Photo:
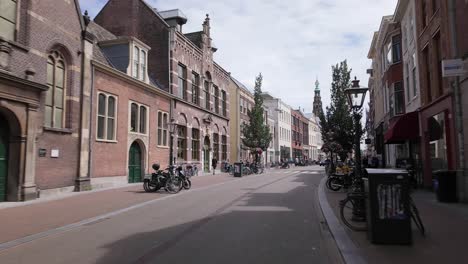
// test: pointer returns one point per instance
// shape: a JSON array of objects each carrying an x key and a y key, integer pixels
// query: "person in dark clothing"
[{"x": 214, "y": 163}]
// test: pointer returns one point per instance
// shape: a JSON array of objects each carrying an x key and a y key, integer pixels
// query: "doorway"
[
  {"x": 134, "y": 163},
  {"x": 206, "y": 154},
  {"x": 4, "y": 135}
]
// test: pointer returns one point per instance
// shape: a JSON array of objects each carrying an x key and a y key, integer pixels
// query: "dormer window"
[{"x": 139, "y": 63}]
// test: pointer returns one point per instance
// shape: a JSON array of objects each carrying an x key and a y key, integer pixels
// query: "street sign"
[{"x": 453, "y": 68}]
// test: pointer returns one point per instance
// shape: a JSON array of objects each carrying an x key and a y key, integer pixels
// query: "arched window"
[
  {"x": 107, "y": 114},
  {"x": 142, "y": 120},
  {"x": 133, "y": 117},
  {"x": 54, "y": 115},
  {"x": 138, "y": 118}
]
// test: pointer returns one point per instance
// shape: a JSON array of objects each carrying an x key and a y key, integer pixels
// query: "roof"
[
  {"x": 241, "y": 85},
  {"x": 101, "y": 34},
  {"x": 195, "y": 38}
]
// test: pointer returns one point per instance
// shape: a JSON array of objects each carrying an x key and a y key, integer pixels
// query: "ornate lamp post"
[
  {"x": 356, "y": 96},
  {"x": 172, "y": 128}
]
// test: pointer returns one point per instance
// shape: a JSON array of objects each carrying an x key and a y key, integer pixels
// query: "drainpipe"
[{"x": 457, "y": 98}]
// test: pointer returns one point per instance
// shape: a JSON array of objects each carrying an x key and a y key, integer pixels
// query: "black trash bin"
[
  {"x": 388, "y": 215},
  {"x": 238, "y": 169},
  {"x": 446, "y": 190}
]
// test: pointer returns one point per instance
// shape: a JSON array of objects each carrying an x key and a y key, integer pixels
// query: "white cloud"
[{"x": 290, "y": 42}]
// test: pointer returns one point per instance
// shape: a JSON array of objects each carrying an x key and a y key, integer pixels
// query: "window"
[
  {"x": 162, "y": 129},
  {"x": 425, "y": 15},
  {"x": 396, "y": 49},
  {"x": 140, "y": 58},
  {"x": 389, "y": 54},
  {"x": 216, "y": 146},
  {"x": 411, "y": 27},
  {"x": 438, "y": 63},
  {"x": 399, "y": 98},
  {"x": 143, "y": 66},
  {"x": 106, "y": 121},
  {"x": 195, "y": 88},
  {"x": 182, "y": 142},
  {"x": 195, "y": 144},
  {"x": 216, "y": 99},
  {"x": 54, "y": 115},
  {"x": 8, "y": 19},
  {"x": 142, "y": 120},
  {"x": 224, "y": 103},
  {"x": 207, "y": 95},
  {"x": 138, "y": 118},
  {"x": 182, "y": 87},
  {"x": 224, "y": 147},
  {"x": 407, "y": 83},
  {"x": 415, "y": 88},
  {"x": 136, "y": 62}
]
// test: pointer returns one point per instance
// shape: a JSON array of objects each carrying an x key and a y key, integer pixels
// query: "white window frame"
[
  {"x": 163, "y": 129},
  {"x": 137, "y": 118},
  {"x": 139, "y": 68},
  {"x": 106, "y": 117}
]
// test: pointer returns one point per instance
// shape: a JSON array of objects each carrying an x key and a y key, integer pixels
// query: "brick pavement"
[
  {"x": 446, "y": 233},
  {"x": 25, "y": 220}
]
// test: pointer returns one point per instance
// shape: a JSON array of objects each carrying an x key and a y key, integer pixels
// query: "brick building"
[
  {"x": 43, "y": 126},
  {"x": 241, "y": 100},
  {"x": 387, "y": 92},
  {"x": 461, "y": 51},
  {"x": 436, "y": 115},
  {"x": 201, "y": 107},
  {"x": 130, "y": 113},
  {"x": 296, "y": 134}
]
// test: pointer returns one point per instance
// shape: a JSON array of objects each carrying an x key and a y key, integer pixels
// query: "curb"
[{"x": 349, "y": 251}]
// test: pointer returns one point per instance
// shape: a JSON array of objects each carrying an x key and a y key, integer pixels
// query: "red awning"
[{"x": 406, "y": 128}]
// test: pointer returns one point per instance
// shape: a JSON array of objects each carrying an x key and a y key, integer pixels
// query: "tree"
[
  {"x": 257, "y": 132},
  {"x": 337, "y": 117}
]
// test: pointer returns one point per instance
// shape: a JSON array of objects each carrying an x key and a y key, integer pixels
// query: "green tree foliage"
[
  {"x": 257, "y": 132},
  {"x": 338, "y": 118}
]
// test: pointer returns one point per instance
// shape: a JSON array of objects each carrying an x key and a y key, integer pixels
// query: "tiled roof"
[{"x": 101, "y": 34}]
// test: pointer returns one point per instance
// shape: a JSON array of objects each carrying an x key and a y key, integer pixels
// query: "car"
[{"x": 324, "y": 162}]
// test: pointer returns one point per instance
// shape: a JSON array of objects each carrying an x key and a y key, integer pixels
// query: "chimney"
[{"x": 175, "y": 18}]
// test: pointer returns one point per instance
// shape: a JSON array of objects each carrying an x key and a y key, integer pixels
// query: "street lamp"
[
  {"x": 356, "y": 96},
  {"x": 172, "y": 128}
]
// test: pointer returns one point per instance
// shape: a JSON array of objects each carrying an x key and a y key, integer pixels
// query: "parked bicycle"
[
  {"x": 353, "y": 209},
  {"x": 191, "y": 170}
]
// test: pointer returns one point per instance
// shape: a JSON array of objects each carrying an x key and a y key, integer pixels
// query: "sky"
[{"x": 290, "y": 42}]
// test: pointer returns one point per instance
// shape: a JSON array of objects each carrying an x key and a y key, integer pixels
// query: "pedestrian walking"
[{"x": 214, "y": 163}]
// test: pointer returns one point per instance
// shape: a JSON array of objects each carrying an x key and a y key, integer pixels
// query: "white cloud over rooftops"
[{"x": 290, "y": 42}]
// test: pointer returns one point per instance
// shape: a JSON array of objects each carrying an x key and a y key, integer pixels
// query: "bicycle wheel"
[
  {"x": 416, "y": 218},
  {"x": 348, "y": 213}
]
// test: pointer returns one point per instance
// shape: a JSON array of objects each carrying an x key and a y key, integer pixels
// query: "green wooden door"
[
  {"x": 3, "y": 159},
  {"x": 134, "y": 163}
]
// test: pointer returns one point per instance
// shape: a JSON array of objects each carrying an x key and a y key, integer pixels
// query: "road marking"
[{"x": 103, "y": 217}]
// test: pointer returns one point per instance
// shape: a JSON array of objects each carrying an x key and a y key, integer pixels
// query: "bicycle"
[{"x": 353, "y": 211}]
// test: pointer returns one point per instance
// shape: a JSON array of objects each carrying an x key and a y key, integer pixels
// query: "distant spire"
[{"x": 317, "y": 84}]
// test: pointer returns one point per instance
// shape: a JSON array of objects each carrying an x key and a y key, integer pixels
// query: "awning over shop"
[{"x": 406, "y": 128}]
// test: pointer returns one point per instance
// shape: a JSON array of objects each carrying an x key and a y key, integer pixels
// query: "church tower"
[{"x": 317, "y": 100}]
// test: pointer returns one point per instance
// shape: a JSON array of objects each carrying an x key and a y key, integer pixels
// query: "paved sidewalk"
[
  {"x": 446, "y": 233},
  {"x": 24, "y": 220}
]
